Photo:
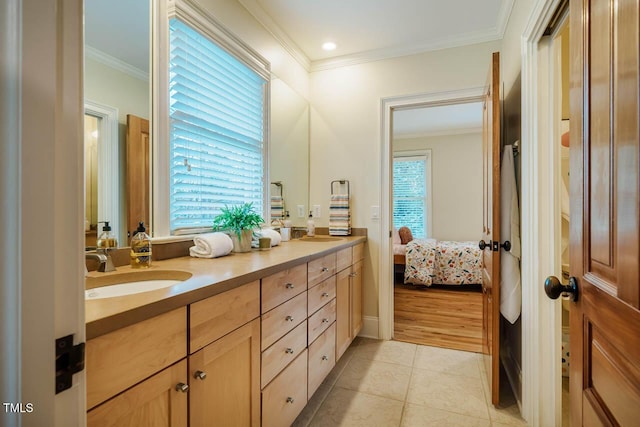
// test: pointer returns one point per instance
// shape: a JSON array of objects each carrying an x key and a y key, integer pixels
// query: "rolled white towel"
[
  {"x": 211, "y": 245},
  {"x": 275, "y": 237}
]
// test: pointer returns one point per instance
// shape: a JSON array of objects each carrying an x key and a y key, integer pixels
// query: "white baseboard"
[
  {"x": 369, "y": 327},
  {"x": 514, "y": 375}
]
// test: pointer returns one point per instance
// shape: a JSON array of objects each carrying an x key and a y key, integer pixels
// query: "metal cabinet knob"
[
  {"x": 289, "y": 351},
  {"x": 289, "y": 399},
  {"x": 199, "y": 375},
  {"x": 325, "y": 320},
  {"x": 325, "y": 358},
  {"x": 289, "y": 318},
  {"x": 324, "y": 294},
  {"x": 289, "y": 286},
  {"x": 354, "y": 274},
  {"x": 325, "y": 269},
  {"x": 182, "y": 387}
]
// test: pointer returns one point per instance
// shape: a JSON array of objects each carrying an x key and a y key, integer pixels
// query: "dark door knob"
[
  {"x": 506, "y": 245},
  {"x": 553, "y": 288},
  {"x": 484, "y": 244}
]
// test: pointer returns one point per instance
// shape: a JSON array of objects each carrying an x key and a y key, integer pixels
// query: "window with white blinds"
[
  {"x": 217, "y": 131},
  {"x": 411, "y": 193}
]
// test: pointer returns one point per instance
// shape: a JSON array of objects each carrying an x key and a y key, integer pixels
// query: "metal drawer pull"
[
  {"x": 324, "y": 294},
  {"x": 325, "y": 269},
  {"x": 325, "y": 358},
  {"x": 289, "y": 399},
  {"x": 353, "y": 274},
  {"x": 325, "y": 320},
  {"x": 289, "y": 285},
  {"x": 199, "y": 375},
  {"x": 289, "y": 350},
  {"x": 289, "y": 318},
  {"x": 182, "y": 387}
]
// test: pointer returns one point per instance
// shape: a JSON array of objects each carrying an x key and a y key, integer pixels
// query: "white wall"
[
  {"x": 456, "y": 173},
  {"x": 345, "y": 128}
]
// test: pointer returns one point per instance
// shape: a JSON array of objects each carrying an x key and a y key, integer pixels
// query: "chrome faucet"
[{"x": 103, "y": 256}]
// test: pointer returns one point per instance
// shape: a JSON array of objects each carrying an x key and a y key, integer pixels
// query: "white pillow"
[{"x": 396, "y": 237}]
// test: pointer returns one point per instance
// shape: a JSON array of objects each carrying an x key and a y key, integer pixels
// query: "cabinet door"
[
  {"x": 343, "y": 312},
  {"x": 229, "y": 392},
  {"x": 153, "y": 402},
  {"x": 356, "y": 299}
]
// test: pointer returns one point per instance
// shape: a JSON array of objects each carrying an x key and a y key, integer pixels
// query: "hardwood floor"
[{"x": 438, "y": 317}]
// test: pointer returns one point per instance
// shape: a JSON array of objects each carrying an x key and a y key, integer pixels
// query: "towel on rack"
[
  {"x": 211, "y": 245},
  {"x": 339, "y": 215},
  {"x": 277, "y": 208},
  {"x": 510, "y": 282}
]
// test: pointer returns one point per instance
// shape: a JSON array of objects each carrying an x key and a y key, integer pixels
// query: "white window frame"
[
  {"x": 426, "y": 154},
  {"x": 201, "y": 20}
]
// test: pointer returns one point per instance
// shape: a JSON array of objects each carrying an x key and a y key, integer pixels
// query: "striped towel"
[
  {"x": 277, "y": 208},
  {"x": 339, "y": 215}
]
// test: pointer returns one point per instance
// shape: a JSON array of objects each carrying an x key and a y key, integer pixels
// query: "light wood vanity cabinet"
[{"x": 349, "y": 300}]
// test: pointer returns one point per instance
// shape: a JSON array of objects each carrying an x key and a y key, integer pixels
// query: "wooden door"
[
  {"x": 604, "y": 233},
  {"x": 491, "y": 229},
  {"x": 138, "y": 174},
  {"x": 225, "y": 380},
  {"x": 156, "y": 401}
]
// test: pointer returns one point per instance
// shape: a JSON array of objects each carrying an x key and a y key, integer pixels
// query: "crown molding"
[
  {"x": 503, "y": 16},
  {"x": 444, "y": 132},
  {"x": 115, "y": 63},
  {"x": 274, "y": 29}
]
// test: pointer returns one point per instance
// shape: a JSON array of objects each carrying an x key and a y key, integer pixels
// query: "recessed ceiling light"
[{"x": 329, "y": 46}]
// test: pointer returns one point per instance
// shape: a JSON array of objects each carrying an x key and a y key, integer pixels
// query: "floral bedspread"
[{"x": 443, "y": 263}]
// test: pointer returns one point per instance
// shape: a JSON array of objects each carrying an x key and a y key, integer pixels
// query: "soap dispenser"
[
  {"x": 141, "y": 248},
  {"x": 311, "y": 227},
  {"x": 107, "y": 239}
]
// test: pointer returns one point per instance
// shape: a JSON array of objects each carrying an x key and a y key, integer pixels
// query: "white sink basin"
[{"x": 118, "y": 285}]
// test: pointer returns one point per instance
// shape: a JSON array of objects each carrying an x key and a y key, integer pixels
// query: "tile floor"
[{"x": 392, "y": 383}]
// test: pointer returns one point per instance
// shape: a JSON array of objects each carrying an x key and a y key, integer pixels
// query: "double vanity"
[{"x": 244, "y": 339}]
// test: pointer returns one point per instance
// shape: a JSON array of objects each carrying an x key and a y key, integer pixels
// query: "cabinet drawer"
[
  {"x": 214, "y": 317},
  {"x": 358, "y": 252},
  {"x": 322, "y": 320},
  {"x": 280, "y": 354},
  {"x": 286, "y": 396},
  {"x": 122, "y": 358},
  {"x": 321, "y": 269},
  {"x": 282, "y": 319},
  {"x": 283, "y": 286},
  {"x": 321, "y": 294},
  {"x": 344, "y": 259},
  {"x": 322, "y": 358}
]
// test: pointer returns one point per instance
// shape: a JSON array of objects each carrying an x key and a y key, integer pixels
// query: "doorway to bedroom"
[{"x": 437, "y": 174}]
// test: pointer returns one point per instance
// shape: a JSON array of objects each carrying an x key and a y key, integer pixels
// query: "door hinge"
[
  {"x": 496, "y": 245},
  {"x": 69, "y": 360}
]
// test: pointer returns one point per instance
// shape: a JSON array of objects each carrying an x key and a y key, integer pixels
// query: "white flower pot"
[{"x": 242, "y": 243}]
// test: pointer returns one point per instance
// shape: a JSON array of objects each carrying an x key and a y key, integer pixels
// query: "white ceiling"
[
  {"x": 367, "y": 30},
  {"x": 439, "y": 120}
]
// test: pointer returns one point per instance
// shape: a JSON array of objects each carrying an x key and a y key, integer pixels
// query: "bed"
[{"x": 427, "y": 262}]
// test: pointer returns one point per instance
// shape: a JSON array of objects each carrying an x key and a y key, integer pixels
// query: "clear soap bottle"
[
  {"x": 141, "y": 248},
  {"x": 107, "y": 239}
]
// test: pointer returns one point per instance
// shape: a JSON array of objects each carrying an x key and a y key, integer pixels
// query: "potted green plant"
[{"x": 239, "y": 221}]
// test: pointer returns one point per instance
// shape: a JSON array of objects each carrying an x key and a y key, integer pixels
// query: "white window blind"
[
  {"x": 216, "y": 132},
  {"x": 410, "y": 193}
]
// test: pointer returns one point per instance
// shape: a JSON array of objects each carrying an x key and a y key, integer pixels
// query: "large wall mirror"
[{"x": 118, "y": 101}]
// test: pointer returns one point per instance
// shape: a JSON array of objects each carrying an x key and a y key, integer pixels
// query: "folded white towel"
[
  {"x": 211, "y": 245},
  {"x": 275, "y": 237}
]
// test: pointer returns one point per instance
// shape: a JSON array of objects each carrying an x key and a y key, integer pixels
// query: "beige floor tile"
[
  {"x": 377, "y": 378},
  {"x": 424, "y": 416},
  {"x": 350, "y": 408},
  {"x": 509, "y": 416},
  {"x": 453, "y": 362},
  {"x": 400, "y": 353},
  {"x": 332, "y": 377},
  {"x": 455, "y": 393}
]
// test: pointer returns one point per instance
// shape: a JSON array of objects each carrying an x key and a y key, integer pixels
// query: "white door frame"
[
  {"x": 541, "y": 317},
  {"x": 388, "y": 105}
]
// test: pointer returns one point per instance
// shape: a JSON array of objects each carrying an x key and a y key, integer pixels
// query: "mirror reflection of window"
[{"x": 91, "y": 140}]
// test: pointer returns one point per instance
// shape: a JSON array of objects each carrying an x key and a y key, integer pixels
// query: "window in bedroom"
[
  {"x": 412, "y": 192},
  {"x": 217, "y": 129}
]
